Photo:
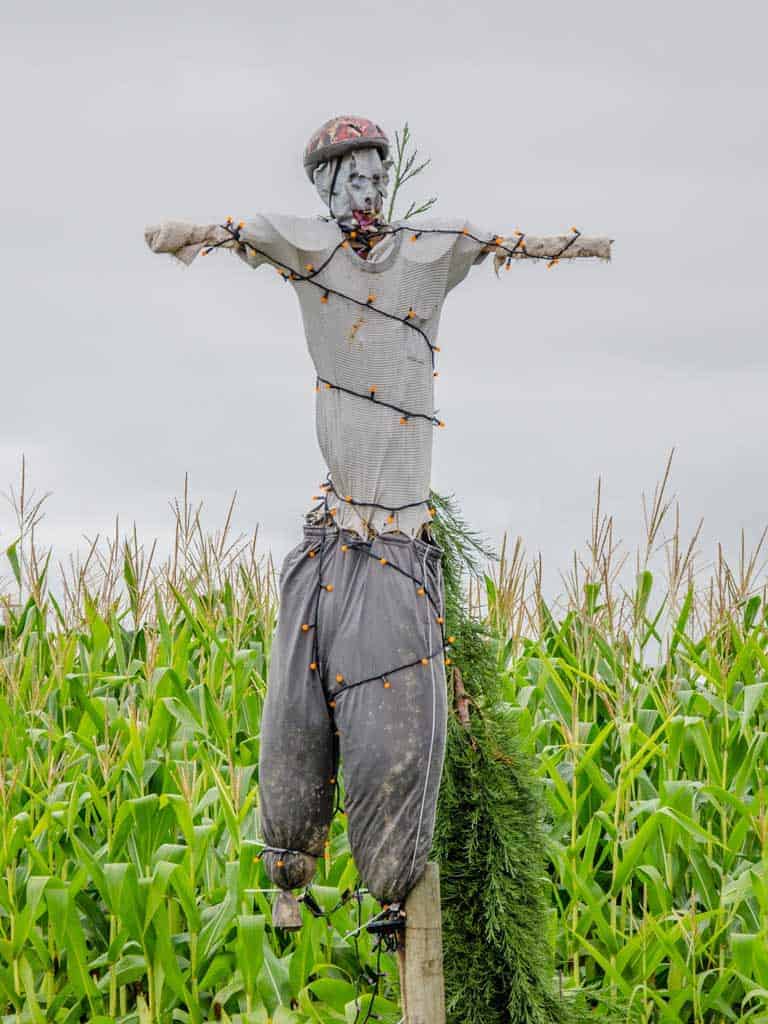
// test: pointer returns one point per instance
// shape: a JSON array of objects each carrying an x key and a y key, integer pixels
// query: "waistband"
[{"x": 421, "y": 547}]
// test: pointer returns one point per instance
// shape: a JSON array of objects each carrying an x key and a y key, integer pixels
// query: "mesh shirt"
[{"x": 373, "y": 458}]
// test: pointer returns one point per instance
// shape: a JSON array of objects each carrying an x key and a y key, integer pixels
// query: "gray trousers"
[{"x": 357, "y": 673}]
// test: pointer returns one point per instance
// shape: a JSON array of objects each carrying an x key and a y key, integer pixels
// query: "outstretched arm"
[
  {"x": 186, "y": 241},
  {"x": 475, "y": 244},
  {"x": 551, "y": 249}
]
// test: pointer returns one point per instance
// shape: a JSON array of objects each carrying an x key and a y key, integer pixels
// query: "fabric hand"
[{"x": 184, "y": 241}]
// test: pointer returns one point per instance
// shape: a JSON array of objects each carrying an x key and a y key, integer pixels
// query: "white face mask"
[{"x": 359, "y": 187}]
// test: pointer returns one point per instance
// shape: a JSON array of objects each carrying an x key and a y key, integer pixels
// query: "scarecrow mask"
[{"x": 359, "y": 183}]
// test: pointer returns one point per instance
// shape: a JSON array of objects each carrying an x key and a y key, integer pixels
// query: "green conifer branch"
[{"x": 490, "y": 837}]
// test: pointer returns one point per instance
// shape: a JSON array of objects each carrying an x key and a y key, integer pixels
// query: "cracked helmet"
[{"x": 340, "y": 135}]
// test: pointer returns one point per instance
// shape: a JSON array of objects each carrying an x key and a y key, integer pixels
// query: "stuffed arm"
[
  {"x": 551, "y": 249},
  {"x": 474, "y": 244},
  {"x": 255, "y": 241}
]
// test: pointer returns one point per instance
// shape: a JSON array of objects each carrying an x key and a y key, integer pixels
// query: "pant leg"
[
  {"x": 392, "y": 729},
  {"x": 296, "y": 758}
]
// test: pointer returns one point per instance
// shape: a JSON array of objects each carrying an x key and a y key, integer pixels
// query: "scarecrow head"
[{"x": 347, "y": 161}]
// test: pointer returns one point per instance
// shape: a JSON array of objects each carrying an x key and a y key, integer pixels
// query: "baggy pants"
[{"x": 357, "y": 671}]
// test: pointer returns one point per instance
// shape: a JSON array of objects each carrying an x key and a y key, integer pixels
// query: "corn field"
[{"x": 131, "y": 689}]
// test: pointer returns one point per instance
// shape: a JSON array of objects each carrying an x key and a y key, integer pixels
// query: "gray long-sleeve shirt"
[{"x": 375, "y": 454}]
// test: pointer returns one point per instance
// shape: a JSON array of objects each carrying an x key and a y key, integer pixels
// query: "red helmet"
[{"x": 338, "y": 136}]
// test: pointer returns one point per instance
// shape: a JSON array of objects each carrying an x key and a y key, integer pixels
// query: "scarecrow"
[{"x": 358, "y": 666}]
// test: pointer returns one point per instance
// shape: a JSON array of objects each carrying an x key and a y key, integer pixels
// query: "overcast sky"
[{"x": 120, "y": 372}]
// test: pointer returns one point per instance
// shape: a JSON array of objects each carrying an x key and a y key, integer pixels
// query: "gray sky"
[{"x": 119, "y": 371}]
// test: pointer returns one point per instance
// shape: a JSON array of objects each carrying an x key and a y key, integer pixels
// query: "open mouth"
[{"x": 365, "y": 218}]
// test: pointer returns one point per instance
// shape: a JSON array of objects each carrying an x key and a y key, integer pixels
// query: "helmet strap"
[{"x": 332, "y": 191}]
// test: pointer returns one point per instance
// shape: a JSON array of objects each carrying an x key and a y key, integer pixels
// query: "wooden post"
[{"x": 421, "y": 962}]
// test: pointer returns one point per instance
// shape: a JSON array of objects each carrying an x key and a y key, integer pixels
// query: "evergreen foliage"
[{"x": 489, "y": 839}]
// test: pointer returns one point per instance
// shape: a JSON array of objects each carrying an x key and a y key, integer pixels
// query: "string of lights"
[
  {"x": 332, "y": 533},
  {"x": 349, "y": 500},
  {"x": 288, "y": 273},
  {"x": 320, "y": 551},
  {"x": 370, "y": 396}
]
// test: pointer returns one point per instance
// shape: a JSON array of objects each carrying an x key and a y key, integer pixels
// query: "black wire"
[
  {"x": 294, "y": 275},
  {"x": 516, "y": 250},
  {"x": 371, "y": 397},
  {"x": 373, "y": 504},
  {"x": 357, "y": 894},
  {"x": 335, "y": 694},
  {"x": 366, "y": 546},
  {"x": 377, "y": 986}
]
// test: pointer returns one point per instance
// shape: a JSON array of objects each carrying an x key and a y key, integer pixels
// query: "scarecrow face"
[{"x": 360, "y": 187}]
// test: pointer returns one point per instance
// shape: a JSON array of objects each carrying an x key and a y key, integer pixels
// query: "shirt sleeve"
[
  {"x": 467, "y": 252},
  {"x": 261, "y": 242}
]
